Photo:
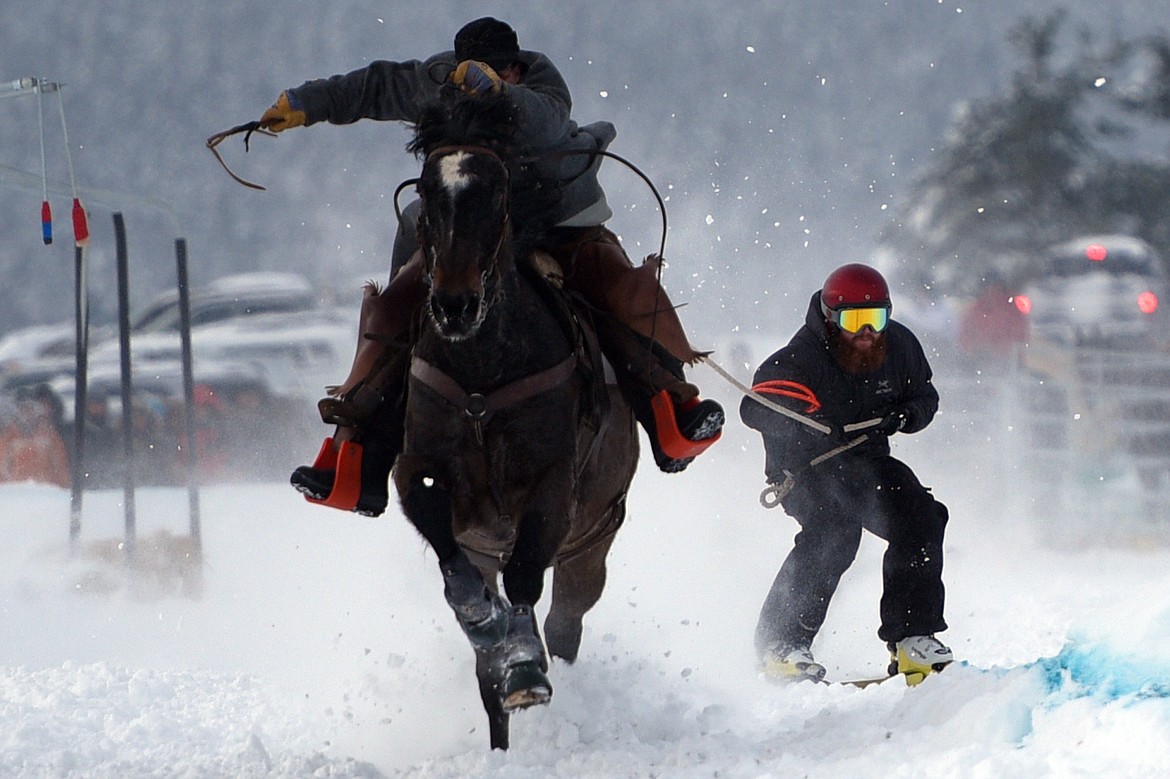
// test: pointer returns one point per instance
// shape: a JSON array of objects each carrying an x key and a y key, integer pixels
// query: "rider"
[
  {"x": 646, "y": 343},
  {"x": 850, "y": 363}
]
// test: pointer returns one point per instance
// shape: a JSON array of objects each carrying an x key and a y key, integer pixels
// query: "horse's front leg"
[
  {"x": 523, "y": 657},
  {"x": 482, "y": 614}
]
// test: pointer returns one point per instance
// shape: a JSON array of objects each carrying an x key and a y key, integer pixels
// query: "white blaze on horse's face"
[
  {"x": 452, "y": 175},
  {"x": 451, "y": 172}
]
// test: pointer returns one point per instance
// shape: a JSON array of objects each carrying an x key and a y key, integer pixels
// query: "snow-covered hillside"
[{"x": 318, "y": 644}]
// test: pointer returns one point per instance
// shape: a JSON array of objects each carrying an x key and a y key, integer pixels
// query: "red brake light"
[
  {"x": 1147, "y": 302},
  {"x": 1024, "y": 303},
  {"x": 1096, "y": 252}
]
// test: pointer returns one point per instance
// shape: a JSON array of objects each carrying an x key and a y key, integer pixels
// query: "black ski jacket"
[{"x": 903, "y": 382}]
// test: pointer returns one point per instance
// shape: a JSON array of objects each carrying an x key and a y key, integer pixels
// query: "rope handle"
[
  {"x": 774, "y": 493},
  {"x": 789, "y": 389},
  {"x": 820, "y": 427}
]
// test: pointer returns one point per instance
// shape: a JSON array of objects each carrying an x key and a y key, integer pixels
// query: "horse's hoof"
[
  {"x": 563, "y": 638},
  {"x": 525, "y": 685}
]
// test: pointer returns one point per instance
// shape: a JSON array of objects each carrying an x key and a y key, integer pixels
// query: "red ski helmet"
[{"x": 854, "y": 286}]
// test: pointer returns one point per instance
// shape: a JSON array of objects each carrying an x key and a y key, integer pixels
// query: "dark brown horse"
[{"x": 516, "y": 458}]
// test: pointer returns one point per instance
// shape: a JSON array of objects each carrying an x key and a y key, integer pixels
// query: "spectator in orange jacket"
[
  {"x": 992, "y": 326},
  {"x": 31, "y": 448}
]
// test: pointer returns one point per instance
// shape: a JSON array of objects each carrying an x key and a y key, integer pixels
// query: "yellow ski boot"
[{"x": 916, "y": 657}]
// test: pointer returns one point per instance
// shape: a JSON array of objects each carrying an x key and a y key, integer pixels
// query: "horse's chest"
[{"x": 503, "y": 452}]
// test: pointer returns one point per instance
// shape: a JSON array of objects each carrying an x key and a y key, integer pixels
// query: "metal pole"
[
  {"x": 80, "y": 392},
  {"x": 188, "y": 393},
  {"x": 24, "y": 180},
  {"x": 127, "y": 394}
]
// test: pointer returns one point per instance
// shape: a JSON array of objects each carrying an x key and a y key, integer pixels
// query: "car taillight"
[
  {"x": 1096, "y": 252},
  {"x": 1024, "y": 303},
  {"x": 1147, "y": 302}
]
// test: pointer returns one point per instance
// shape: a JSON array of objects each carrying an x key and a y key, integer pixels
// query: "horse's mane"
[
  {"x": 492, "y": 122},
  {"x": 463, "y": 120}
]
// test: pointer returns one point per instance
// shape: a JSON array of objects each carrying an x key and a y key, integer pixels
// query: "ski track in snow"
[{"x": 318, "y": 644}]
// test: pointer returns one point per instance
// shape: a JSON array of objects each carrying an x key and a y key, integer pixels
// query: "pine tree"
[{"x": 1036, "y": 166}]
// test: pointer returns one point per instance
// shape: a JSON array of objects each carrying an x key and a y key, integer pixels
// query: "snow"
[{"x": 317, "y": 643}]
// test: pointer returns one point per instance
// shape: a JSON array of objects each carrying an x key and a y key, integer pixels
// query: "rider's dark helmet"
[
  {"x": 854, "y": 286},
  {"x": 487, "y": 40}
]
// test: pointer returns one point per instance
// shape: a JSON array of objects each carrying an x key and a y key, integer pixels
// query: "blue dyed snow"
[{"x": 1091, "y": 670}]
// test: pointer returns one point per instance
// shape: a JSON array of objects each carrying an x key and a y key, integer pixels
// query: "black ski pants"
[{"x": 833, "y": 503}]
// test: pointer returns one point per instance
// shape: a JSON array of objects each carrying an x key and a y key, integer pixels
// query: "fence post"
[
  {"x": 188, "y": 394},
  {"x": 80, "y": 387},
  {"x": 127, "y": 393}
]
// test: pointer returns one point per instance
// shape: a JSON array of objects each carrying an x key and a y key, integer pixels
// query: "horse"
[{"x": 516, "y": 458}]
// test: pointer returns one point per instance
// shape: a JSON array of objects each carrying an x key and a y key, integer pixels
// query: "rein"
[
  {"x": 604, "y": 153},
  {"x": 653, "y": 189},
  {"x": 556, "y": 155},
  {"x": 247, "y": 128}
]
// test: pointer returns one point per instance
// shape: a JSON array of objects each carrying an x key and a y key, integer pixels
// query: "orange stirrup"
[
  {"x": 674, "y": 444},
  {"x": 346, "y": 463}
]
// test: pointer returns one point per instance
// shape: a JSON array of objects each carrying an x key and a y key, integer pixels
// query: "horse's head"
[
  {"x": 465, "y": 234},
  {"x": 464, "y": 228}
]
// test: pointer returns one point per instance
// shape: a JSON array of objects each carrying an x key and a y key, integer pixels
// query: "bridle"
[
  {"x": 480, "y": 407},
  {"x": 491, "y": 272}
]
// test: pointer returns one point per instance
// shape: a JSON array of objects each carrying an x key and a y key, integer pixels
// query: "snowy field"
[{"x": 318, "y": 644}]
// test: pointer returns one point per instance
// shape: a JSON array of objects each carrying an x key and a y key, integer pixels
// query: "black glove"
[{"x": 892, "y": 422}]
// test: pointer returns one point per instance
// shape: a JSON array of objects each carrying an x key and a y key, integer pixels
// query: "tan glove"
[
  {"x": 283, "y": 114},
  {"x": 476, "y": 78}
]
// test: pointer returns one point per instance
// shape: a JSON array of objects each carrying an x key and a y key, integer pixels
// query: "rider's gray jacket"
[{"x": 397, "y": 91}]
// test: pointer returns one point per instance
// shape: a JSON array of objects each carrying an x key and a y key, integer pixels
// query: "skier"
[
  {"x": 646, "y": 342},
  {"x": 849, "y": 365}
]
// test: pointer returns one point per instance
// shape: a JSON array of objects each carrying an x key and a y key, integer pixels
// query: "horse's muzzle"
[{"x": 457, "y": 314}]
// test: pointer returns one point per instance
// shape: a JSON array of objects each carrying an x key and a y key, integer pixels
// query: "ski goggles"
[{"x": 851, "y": 320}]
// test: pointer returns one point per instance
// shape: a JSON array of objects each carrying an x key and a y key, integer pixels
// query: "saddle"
[{"x": 576, "y": 318}]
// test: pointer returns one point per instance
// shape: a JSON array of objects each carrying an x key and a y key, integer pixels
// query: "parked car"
[
  {"x": 1105, "y": 291},
  {"x": 28, "y": 348},
  {"x": 270, "y": 322},
  {"x": 230, "y": 297},
  {"x": 297, "y": 355}
]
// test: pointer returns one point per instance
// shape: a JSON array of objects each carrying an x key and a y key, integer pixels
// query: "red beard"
[{"x": 854, "y": 360}]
